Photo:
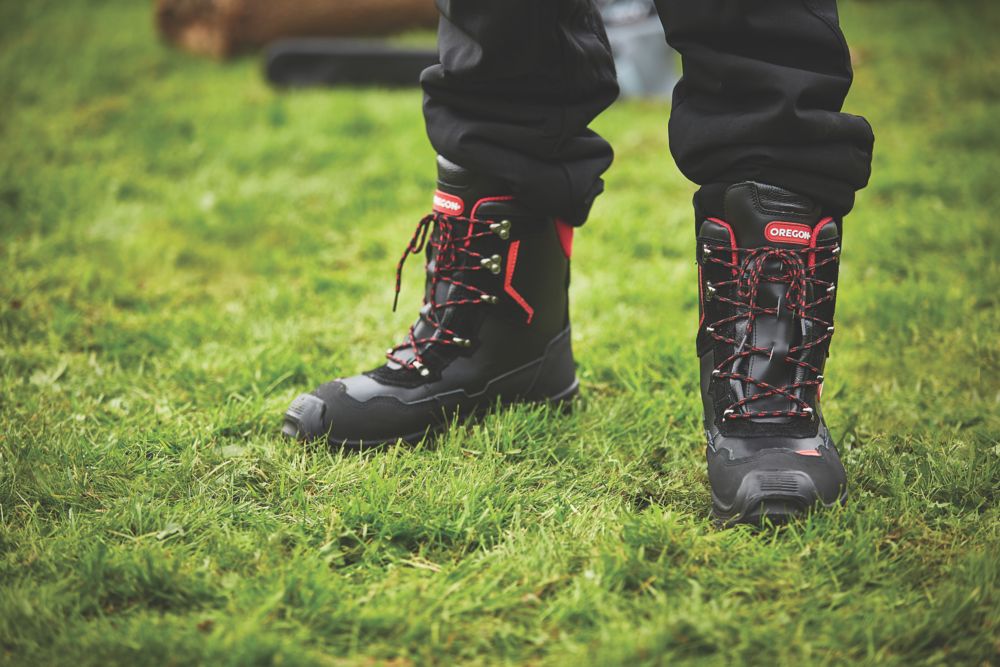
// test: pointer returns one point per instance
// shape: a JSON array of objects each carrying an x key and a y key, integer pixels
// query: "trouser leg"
[
  {"x": 761, "y": 98},
  {"x": 518, "y": 84}
]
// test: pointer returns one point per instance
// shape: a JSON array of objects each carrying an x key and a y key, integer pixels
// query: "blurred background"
[{"x": 308, "y": 42}]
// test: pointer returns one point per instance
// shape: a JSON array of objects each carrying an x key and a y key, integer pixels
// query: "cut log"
[{"x": 223, "y": 28}]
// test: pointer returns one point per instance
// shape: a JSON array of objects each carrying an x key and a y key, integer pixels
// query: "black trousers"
[{"x": 760, "y": 98}]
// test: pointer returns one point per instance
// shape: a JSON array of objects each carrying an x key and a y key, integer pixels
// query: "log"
[{"x": 224, "y": 28}]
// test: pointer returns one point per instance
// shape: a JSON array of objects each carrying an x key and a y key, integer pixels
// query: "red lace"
[
  {"x": 797, "y": 269},
  {"x": 449, "y": 251}
]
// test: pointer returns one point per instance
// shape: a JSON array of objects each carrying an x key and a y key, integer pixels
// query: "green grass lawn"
[{"x": 184, "y": 250}]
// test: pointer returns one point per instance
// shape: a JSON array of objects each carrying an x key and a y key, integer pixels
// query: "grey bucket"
[{"x": 647, "y": 66}]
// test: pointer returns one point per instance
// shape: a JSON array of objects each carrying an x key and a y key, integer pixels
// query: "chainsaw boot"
[
  {"x": 768, "y": 278},
  {"x": 494, "y": 326}
]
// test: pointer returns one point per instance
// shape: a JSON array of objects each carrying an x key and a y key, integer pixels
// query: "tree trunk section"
[{"x": 223, "y": 28}]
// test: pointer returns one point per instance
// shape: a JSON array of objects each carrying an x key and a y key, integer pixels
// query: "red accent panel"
[
  {"x": 701, "y": 300},
  {"x": 808, "y": 452},
  {"x": 565, "y": 232},
  {"x": 732, "y": 244},
  {"x": 475, "y": 208},
  {"x": 509, "y": 278},
  {"x": 778, "y": 231},
  {"x": 732, "y": 239},
  {"x": 488, "y": 199},
  {"x": 448, "y": 204},
  {"x": 815, "y": 235}
]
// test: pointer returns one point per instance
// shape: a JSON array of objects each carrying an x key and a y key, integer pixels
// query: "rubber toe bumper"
[
  {"x": 305, "y": 418},
  {"x": 777, "y": 485}
]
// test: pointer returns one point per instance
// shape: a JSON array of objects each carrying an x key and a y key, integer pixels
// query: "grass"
[{"x": 184, "y": 250}]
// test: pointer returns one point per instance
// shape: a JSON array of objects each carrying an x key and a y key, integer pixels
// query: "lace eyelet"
[
  {"x": 501, "y": 229},
  {"x": 491, "y": 263}
]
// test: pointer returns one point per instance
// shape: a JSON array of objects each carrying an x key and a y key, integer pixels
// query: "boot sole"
[{"x": 562, "y": 400}]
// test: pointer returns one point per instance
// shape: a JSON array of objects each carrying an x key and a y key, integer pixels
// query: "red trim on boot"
[
  {"x": 485, "y": 200},
  {"x": 815, "y": 235},
  {"x": 732, "y": 240},
  {"x": 565, "y": 232},
  {"x": 475, "y": 209},
  {"x": 701, "y": 300},
  {"x": 509, "y": 278}
]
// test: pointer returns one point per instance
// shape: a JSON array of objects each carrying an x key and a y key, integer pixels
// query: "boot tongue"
[
  {"x": 765, "y": 215},
  {"x": 460, "y": 194}
]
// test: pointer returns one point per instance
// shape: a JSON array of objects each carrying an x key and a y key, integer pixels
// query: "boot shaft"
[{"x": 496, "y": 274}]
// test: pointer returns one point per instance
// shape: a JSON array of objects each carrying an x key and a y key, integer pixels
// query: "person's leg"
[
  {"x": 757, "y": 123},
  {"x": 508, "y": 110},
  {"x": 761, "y": 98},
  {"x": 518, "y": 84}
]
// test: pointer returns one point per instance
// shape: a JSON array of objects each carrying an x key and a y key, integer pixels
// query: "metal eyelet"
[
  {"x": 716, "y": 373},
  {"x": 829, "y": 329},
  {"x": 461, "y": 342},
  {"x": 831, "y": 288},
  {"x": 488, "y": 298},
  {"x": 710, "y": 329},
  {"x": 727, "y": 413},
  {"x": 710, "y": 291},
  {"x": 501, "y": 229},
  {"x": 491, "y": 263}
]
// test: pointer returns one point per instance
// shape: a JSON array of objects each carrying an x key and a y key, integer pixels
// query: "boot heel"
[{"x": 555, "y": 380}]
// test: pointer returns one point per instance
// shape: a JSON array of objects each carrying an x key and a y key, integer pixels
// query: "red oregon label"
[
  {"x": 788, "y": 232},
  {"x": 448, "y": 204}
]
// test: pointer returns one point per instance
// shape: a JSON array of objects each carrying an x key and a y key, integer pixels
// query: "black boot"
[
  {"x": 768, "y": 278},
  {"x": 494, "y": 326}
]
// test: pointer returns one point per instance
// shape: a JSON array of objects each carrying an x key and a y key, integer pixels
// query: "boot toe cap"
[
  {"x": 332, "y": 413},
  {"x": 306, "y": 418},
  {"x": 780, "y": 482}
]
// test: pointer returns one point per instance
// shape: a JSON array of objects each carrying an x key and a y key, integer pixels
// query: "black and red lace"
[
  {"x": 453, "y": 249},
  {"x": 750, "y": 267}
]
